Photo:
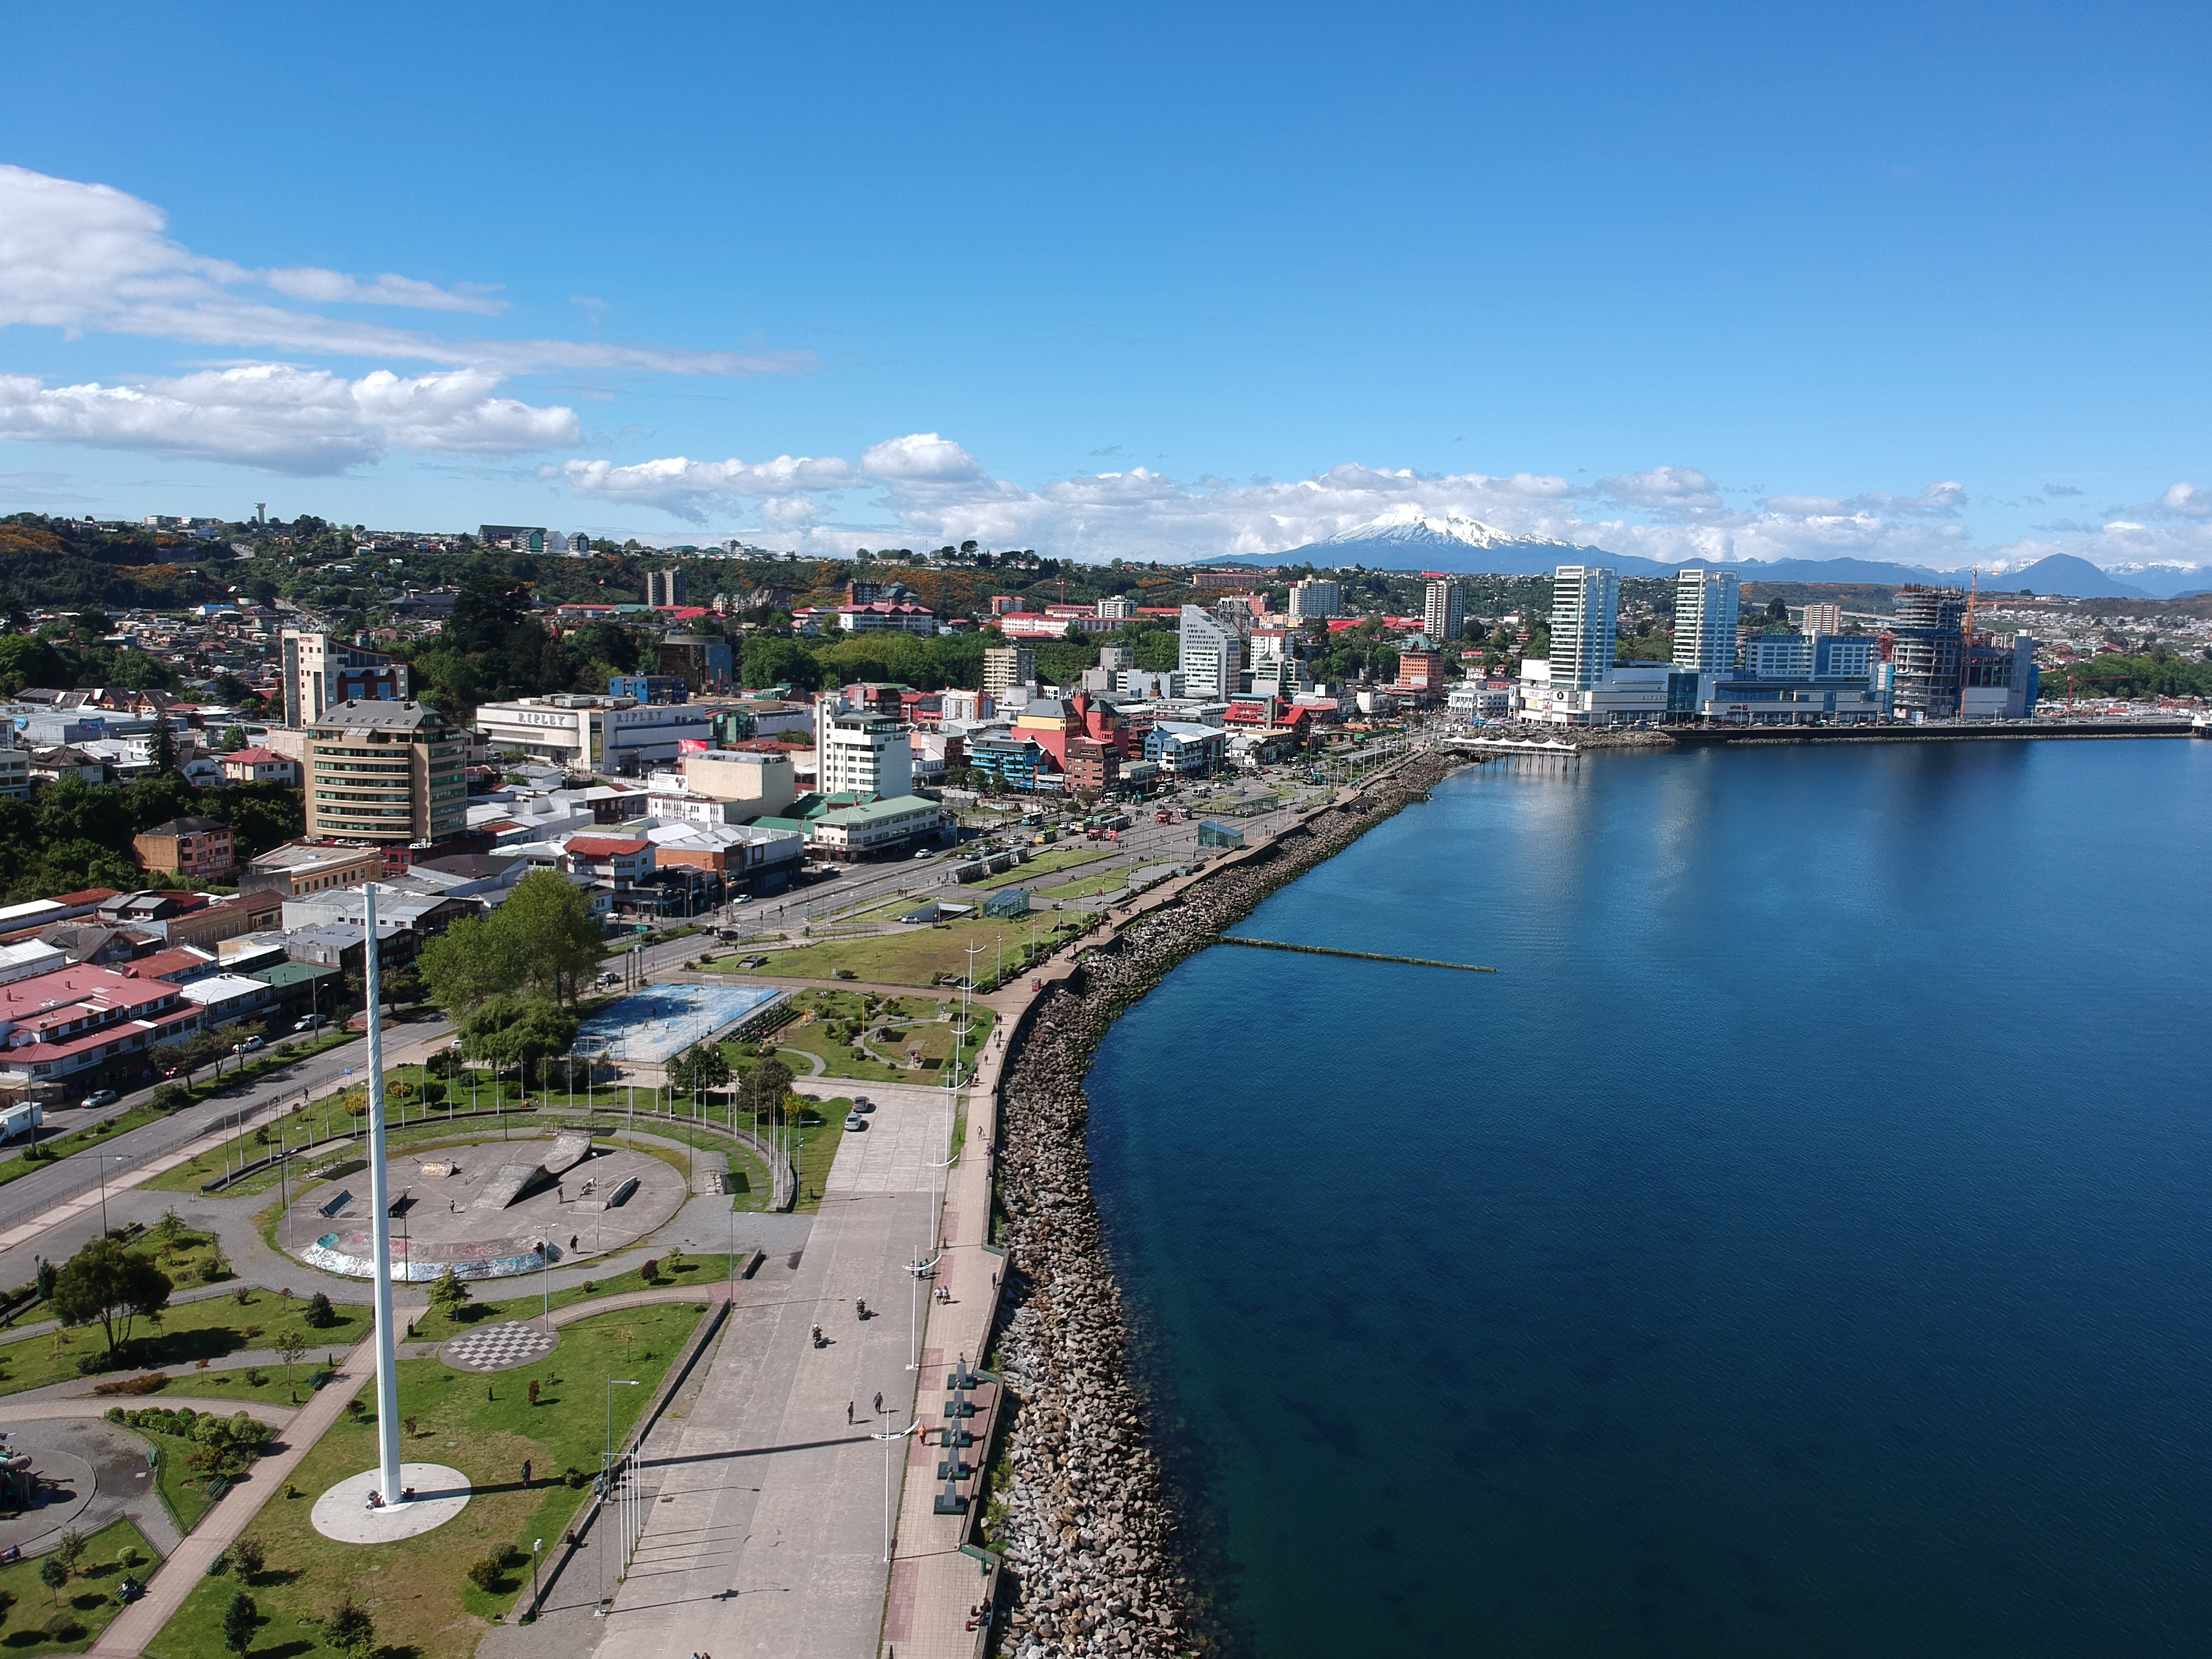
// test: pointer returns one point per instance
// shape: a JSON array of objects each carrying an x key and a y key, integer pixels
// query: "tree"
[
  {"x": 702, "y": 1067},
  {"x": 549, "y": 924},
  {"x": 291, "y": 1346},
  {"x": 47, "y": 1275},
  {"x": 70, "y": 1550},
  {"x": 164, "y": 752},
  {"x": 53, "y": 1575},
  {"x": 472, "y": 960},
  {"x": 239, "y": 1621},
  {"x": 250, "y": 1557},
  {"x": 761, "y": 1088},
  {"x": 509, "y": 1030},
  {"x": 232, "y": 740},
  {"x": 450, "y": 1294},
  {"x": 350, "y": 1629},
  {"x": 103, "y": 1281},
  {"x": 320, "y": 1315}
]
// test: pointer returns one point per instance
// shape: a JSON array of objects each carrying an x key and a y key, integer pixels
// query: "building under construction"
[{"x": 1930, "y": 653}]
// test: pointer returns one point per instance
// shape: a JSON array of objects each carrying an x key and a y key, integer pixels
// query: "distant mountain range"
[{"x": 1405, "y": 539}]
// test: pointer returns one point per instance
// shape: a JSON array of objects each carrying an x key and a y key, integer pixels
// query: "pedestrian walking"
[
  {"x": 848, "y": 1414},
  {"x": 880, "y": 1402},
  {"x": 525, "y": 1474}
]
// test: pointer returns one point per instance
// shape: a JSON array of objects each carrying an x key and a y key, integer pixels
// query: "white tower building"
[
  {"x": 1705, "y": 603},
  {"x": 1585, "y": 621}
]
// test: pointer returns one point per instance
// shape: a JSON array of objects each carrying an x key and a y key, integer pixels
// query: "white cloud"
[
  {"x": 1663, "y": 488},
  {"x": 921, "y": 459},
  {"x": 689, "y": 488},
  {"x": 88, "y": 258},
  {"x": 284, "y": 419},
  {"x": 335, "y": 288}
]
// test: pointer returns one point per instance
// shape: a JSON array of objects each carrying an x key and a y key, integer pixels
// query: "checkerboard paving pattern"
[{"x": 498, "y": 1347}]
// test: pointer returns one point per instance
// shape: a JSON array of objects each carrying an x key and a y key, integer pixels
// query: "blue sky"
[{"x": 1916, "y": 282}]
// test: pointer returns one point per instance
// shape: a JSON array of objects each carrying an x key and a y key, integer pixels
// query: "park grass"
[
  {"x": 414, "y": 1589},
  {"x": 817, "y": 1151},
  {"x": 917, "y": 957},
  {"x": 927, "y": 1022},
  {"x": 88, "y": 1598},
  {"x": 190, "y": 1331},
  {"x": 705, "y": 1272},
  {"x": 1044, "y": 863}
]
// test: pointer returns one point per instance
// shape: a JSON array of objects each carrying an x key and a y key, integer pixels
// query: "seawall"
[{"x": 1097, "y": 1560}]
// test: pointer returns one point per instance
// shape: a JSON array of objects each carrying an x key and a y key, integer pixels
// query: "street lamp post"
[
  {"x": 887, "y": 1439},
  {"x": 606, "y": 1478}
]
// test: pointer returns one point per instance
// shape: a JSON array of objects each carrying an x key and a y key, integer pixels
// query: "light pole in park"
[
  {"x": 607, "y": 1477},
  {"x": 895, "y": 1435}
]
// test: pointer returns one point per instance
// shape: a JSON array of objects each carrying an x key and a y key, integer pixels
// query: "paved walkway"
[
  {"x": 138, "y": 1624},
  {"x": 766, "y": 1531}
]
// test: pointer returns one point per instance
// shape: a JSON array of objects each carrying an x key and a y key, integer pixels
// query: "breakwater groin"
[{"x": 1096, "y": 1561}]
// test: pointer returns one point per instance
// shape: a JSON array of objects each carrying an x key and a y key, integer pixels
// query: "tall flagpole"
[{"x": 380, "y": 1192}]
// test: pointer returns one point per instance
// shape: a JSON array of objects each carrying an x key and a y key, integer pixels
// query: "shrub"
[
  {"x": 152, "y": 1383},
  {"x": 320, "y": 1314},
  {"x": 650, "y": 1273},
  {"x": 64, "y": 1627},
  {"x": 255, "y": 1377},
  {"x": 487, "y": 1572},
  {"x": 250, "y": 1555},
  {"x": 170, "y": 1096}
]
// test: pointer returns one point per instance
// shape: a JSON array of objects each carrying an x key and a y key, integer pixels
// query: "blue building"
[
  {"x": 1187, "y": 750},
  {"x": 650, "y": 687}
]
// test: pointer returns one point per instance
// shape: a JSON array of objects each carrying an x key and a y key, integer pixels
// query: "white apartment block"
[
  {"x": 865, "y": 754},
  {"x": 1585, "y": 625},
  {"x": 1314, "y": 597},
  {"x": 1208, "y": 656},
  {"x": 1705, "y": 605}
]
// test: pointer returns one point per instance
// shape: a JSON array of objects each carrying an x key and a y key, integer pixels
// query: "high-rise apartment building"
[
  {"x": 664, "y": 587},
  {"x": 1276, "y": 669},
  {"x": 1930, "y": 653},
  {"x": 865, "y": 753},
  {"x": 1585, "y": 622},
  {"x": 1443, "y": 612},
  {"x": 1209, "y": 656},
  {"x": 394, "y": 773},
  {"x": 319, "y": 673},
  {"x": 1005, "y": 666},
  {"x": 1705, "y": 605},
  {"x": 1314, "y": 597},
  {"x": 1823, "y": 616}
]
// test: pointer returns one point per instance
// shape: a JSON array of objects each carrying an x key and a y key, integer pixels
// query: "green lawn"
[
  {"x": 508, "y": 1299},
  {"x": 189, "y": 1332},
  {"x": 917, "y": 957},
  {"x": 1045, "y": 863},
  {"x": 923, "y": 1023},
  {"x": 416, "y": 1588},
  {"x": 87, "y": 1604}
]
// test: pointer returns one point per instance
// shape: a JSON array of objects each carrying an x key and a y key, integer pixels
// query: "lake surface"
[{"x": 1803, "y": 1247}]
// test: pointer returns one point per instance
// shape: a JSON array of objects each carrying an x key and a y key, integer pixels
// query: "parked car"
[
  {"x": 854, "y": 1121},
  {"x": 862, "y": 1104},
  {"x": 247, "y": 1046},
  {"x": 100, "y": 1098},
  {"x": 308, "y": 1023}
]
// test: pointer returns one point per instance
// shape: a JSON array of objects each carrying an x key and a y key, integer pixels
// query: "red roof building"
[{"x": 75, "y": 1022}]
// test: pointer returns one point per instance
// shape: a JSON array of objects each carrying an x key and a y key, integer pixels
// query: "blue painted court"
[{"x": 662, "y": 1022}]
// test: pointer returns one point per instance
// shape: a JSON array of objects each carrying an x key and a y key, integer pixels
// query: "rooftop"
[{"x": 371, "y": 713}]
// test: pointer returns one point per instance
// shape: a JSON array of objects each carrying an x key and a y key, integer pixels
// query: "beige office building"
[{"x": 387, "y": 772}]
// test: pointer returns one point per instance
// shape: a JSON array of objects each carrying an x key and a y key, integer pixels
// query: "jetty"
[{"x": 1357, "y": 956}]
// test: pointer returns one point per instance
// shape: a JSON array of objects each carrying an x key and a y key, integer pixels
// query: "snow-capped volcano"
[{"x": 1407, "y": 526}]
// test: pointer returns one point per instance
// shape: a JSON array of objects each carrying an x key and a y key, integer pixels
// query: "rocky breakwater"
[{"x": 1099, "y": 1565}]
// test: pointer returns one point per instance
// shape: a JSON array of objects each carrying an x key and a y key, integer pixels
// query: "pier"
[{"x": 1357, "y": 956}]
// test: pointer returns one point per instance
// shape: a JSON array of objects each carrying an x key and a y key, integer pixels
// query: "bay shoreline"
[{"x": 1098, "y": 1558}]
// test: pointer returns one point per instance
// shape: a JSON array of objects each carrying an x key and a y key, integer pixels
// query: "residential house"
[{"x": 191, "y": 848}]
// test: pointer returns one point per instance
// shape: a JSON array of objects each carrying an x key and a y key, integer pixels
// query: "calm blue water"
[{"x": 1802, "y": 1248}]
